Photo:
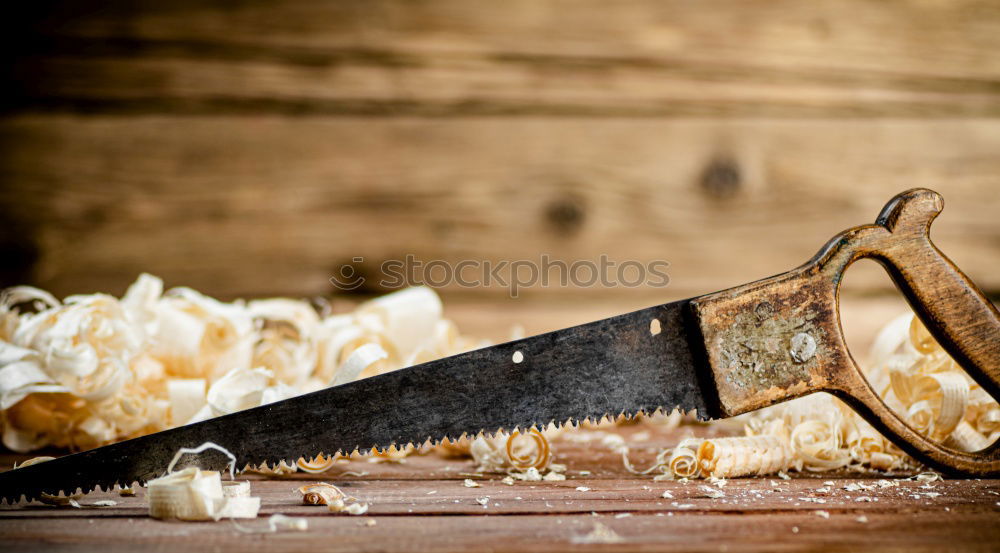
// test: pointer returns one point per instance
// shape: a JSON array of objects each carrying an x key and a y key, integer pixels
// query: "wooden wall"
[{"x": 251, "y": 148}]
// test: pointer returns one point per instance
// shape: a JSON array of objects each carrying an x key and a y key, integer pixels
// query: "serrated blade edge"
[{"x": 609, "y": 367}]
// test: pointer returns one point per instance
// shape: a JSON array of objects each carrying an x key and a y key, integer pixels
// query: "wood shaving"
[
  {"x": 33, "y": 461},
  {"x": 323, "y": 493},
  {"x": 276, "y": 523},
  {"x": 600, "y": 534},
  {"x": 530, "y": 475},
  {"x": 539, "y": 458},
  {"x": 195, "y": 494},
  {"x": 352, "y": 509},
  {"x": 469, "y": 483},
  {"x": 279, "y": 521},
  {"x": 512, "y": 452},
  {"x": 710, "y": 492},
  {"x": 320, "y": 493}
]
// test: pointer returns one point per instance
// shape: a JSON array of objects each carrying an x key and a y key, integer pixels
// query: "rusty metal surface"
[
  {"x": 769, "y": 341},
  {"x": 608, "y": 367}
]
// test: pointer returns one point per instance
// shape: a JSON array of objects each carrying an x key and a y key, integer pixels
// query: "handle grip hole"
[{"x": 902, "y": 363}]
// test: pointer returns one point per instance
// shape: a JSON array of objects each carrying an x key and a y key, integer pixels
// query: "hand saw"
[{"x": 717, "y": 355}]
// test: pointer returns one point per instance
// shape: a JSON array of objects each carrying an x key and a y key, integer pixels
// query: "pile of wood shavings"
[
  {"x": 95, "y": 369},
  {"x": 912, "y": 374}
]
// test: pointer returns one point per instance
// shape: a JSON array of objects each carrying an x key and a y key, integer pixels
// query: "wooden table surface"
[{"x": 422, "y": 505}]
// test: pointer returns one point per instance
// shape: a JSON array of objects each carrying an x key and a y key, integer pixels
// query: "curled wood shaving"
[
  {"x": 514, "y": 452},
  {"x": 195, "y": 494},
  {"x": 200, "y": 449},
  {"x": 742, "y": 456},
  {"x": 537, "y": 457},
  {"x": 334, "y": 498},
  {"x": 320, "y": 494},
  {"x": 33, "y": 461},
  {"x": 683, "y": 461},
  {"x": 723, "y": 457}
]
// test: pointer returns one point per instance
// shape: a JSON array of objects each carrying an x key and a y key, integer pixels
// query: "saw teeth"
[{"x": 428, "y": 441}]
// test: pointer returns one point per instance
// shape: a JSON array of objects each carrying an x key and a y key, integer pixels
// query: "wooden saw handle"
[{"x": 781, "y": 338}]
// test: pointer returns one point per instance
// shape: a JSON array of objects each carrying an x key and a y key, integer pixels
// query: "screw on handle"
[{"x": 754, "y": 360}]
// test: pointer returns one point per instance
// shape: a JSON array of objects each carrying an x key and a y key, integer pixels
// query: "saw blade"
[{"x": 610, "y": 367}]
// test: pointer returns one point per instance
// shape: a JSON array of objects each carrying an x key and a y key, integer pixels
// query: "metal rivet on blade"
[{"x": 655, "y": 327}]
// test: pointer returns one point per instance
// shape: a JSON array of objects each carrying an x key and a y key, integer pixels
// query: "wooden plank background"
[{"x": 253, "y": 148}]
